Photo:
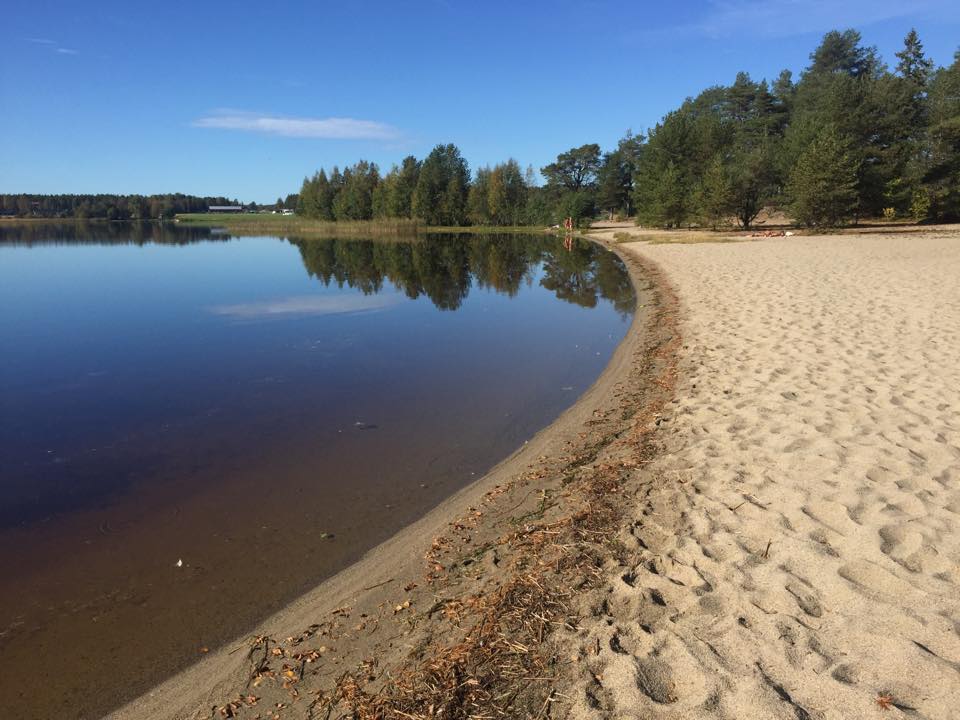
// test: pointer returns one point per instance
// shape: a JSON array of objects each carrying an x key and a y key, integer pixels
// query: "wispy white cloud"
[
  {"x": 52, "y": 45},
  {"x": 783, "y": 18},
  {"x": 333, "y": 128},
  {"x": 306, "y": 305}
]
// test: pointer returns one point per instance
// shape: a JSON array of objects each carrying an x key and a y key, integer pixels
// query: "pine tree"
[
  {"x": 615, "y": 183},
  {"x": 841, "y": 53},
  {"x": 715, "y": 196},
  {"x": 941, "y": 180},
  {"x": 753, "y": 181},
  {"x": 913, "y": 65},
  {"x": 910, "y": 106},
  {"x": 784, "y": 90},
  {"x": 671, "y": 202},
  {"x": 823, "y": 184},
  {"x": 574, "y": 169}
]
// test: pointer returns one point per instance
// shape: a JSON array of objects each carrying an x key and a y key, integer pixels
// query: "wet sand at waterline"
[{"x": 800, "y": 556}]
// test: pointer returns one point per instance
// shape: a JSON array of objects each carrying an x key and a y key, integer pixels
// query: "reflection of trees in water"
[
  {"x": 444, "y": 268},
  {"x": 81, "y": 232},
  {"x": 613, "y": 282},
  {"x": 441, "y": 267},
  {"x": 571, "y": 274}
]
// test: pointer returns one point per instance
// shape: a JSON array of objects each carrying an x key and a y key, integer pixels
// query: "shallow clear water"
[{"x": 172, "y": 394}]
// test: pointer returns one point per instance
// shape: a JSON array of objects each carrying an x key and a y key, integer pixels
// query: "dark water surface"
[{"x": 262, "y": 410}]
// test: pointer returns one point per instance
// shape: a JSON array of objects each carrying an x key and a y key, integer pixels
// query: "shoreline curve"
[{"x": 386, "y": 582}]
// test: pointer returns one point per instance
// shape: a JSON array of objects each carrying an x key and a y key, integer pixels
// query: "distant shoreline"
[
  {"x": 256, "y": 224},
  {"x": 627, "y": 231},
  {"x": 264, "y": 222}
]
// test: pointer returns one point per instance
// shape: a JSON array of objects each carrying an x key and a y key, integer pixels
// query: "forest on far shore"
[
  {"x": 850, "y": 138},
  {"x": 105, "y": 206}
]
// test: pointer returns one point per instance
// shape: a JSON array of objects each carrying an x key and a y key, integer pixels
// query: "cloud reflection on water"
[{"x": 306, "y": 305}]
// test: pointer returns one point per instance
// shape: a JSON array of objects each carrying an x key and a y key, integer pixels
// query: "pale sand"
[{"x": 800, "y": 556}]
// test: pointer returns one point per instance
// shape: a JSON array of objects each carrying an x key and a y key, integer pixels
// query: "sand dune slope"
[{"x": 801, "y": 558}]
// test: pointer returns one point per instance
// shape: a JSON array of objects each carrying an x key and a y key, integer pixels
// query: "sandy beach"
[
  {"x": 799, "y": 558},
  {"x": 754, "y": 513}
]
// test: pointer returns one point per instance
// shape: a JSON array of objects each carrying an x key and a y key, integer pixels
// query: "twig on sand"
[
  {"x": 545, "y": 710},
  {"x": 379, "y": 584}
]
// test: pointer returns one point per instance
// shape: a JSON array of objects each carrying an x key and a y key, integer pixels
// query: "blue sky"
[{"x": 244, "y": 98}]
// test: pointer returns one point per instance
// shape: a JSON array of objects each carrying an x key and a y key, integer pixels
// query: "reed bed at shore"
[
  {"x": 390, "y": 227},
  {"x": 257, "y": 224}
]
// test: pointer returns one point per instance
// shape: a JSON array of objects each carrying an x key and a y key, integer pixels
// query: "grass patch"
[
  {"x": 491, "y": 229},
  {"x": 674, "y": 237},
  {"x": 291, "y": 225},
  {"x": 255, "y": 224},
  {"x": 692, "y": 238}
]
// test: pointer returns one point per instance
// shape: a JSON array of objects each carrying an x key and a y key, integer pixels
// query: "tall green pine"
[{"x": 823, "y": 184}]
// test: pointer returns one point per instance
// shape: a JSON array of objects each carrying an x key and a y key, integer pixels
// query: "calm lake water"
[{"x": 262, "y": 410}]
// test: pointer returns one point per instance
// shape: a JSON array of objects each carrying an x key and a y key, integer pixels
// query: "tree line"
[
  {"x": 851, "y": 138},
  {"x": 106, "y": 207},
  {"x": 440, "y": 190}
]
